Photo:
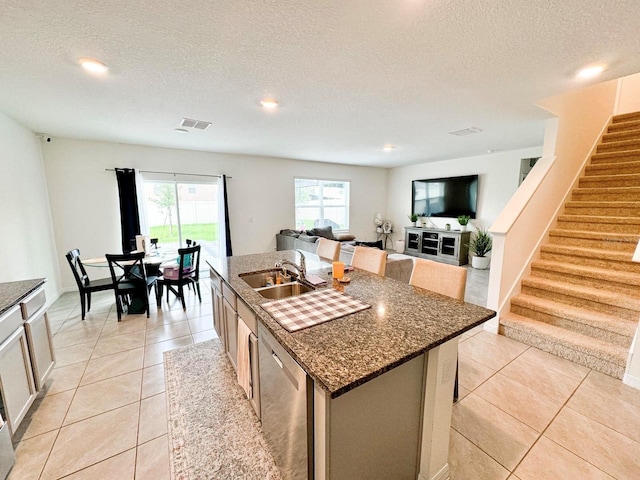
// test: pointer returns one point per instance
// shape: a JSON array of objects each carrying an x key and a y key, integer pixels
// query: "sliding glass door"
[{"x": 181, "y": 212}]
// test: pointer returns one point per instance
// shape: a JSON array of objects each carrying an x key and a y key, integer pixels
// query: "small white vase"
[
  {"x": 481, "y": 263},
  {"x": 463, "y": 228}
]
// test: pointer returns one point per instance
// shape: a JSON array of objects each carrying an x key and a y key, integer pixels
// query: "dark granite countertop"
[
  {"x": 402, "y": 323},
  {"x": 12, "y": 292}
]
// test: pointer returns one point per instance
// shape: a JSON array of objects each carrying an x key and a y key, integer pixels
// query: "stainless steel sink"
[
  {"x": 259, "y": 279},
  {"x": 291, "y": 289}
]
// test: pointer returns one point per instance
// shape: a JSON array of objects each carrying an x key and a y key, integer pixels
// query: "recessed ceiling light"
[
  {"x": 590, "y": 72},
  {"x": 388, "y": 147},
  {"x": 93, "y": 65},
  {"x": 181, "y": 130},
  {"x": 269, "y": 103}
]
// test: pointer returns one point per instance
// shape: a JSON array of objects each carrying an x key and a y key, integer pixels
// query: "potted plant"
[
  {"x": 414, "y": 218},
  {"x": 463, "y": 220},
  {"x": 479, "y": 245}
]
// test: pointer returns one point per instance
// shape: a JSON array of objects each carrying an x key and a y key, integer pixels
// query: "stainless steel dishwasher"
[{"x": 286, "y": 395}]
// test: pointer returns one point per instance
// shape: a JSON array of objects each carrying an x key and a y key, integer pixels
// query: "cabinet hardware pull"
[{"x": 276, "y": 359}]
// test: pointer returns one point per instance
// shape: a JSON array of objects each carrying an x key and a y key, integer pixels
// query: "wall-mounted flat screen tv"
[{"x": 445, "y": 197}]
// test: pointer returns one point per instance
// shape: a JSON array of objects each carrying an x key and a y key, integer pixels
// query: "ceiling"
[{"x": 350, "y": 75}]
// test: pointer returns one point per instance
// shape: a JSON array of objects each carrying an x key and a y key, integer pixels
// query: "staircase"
[{"x": 582, "y": 299}]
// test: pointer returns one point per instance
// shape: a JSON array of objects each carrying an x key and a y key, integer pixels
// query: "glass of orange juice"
[{"x": 338, "y": 270}]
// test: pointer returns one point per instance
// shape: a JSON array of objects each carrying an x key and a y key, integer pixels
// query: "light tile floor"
[
  {"x": 523, "y": 414},
  {"x": 103, "y": 412}
]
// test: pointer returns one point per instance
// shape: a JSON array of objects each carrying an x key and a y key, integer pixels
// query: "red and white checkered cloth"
[{"x": 302, "y": 311}]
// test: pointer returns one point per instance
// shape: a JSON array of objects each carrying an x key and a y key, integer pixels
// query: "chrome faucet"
[{"x": 302, "y": 268}]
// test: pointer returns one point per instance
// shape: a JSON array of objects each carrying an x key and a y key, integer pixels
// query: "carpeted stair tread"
[
  {"x": 607, "y": 194},
  {"x": 585, "y": 237},
  {"x": 600, "y": 219},
  {"x": 621, "y": 135},
  {"x": 583, "y": 292},
  {"x": 587, "y": 234},
  {"x": 615, "y": 157},
  {"x": 603, "y": 208},
  {"x": 610, "y": 204},
  {"x": 587, "y": 252},
  {"x": 632, "y": 124},
  {"x": 619, "y": 145},
  {"x": 625, "y": 117},
  {"x": 613, "y": 168},
  {"x": 606, "y": 181},
  {"x": 584, "y": 316},
  {"x": 604, "y": 274},
  {"x": 590, "y": 352}
]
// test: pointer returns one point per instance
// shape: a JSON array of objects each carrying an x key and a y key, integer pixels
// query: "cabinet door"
[
  {"x": 449, "y": 246},
  {"x": 16, "y": 378},
  {"x": 218, "y": 313},
  {"x": 41, "y": 347},
  {"x": 412, "y": 242},
  {"x": 231, "y": 332},
  {"x": 430, "y": 243}
]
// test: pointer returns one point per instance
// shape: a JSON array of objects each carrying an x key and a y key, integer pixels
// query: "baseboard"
[
  {"x": 631, "y": 381},
  {"x": 492, "y": 325},
  {"x": 443, "y": 474}
]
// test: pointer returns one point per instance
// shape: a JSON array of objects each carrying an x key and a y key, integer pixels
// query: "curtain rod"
[{"x": 171, "y": 173}]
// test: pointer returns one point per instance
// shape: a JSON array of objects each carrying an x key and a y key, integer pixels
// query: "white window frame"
[{"x": 322, "y": 182}]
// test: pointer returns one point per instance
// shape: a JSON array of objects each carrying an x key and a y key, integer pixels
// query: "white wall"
[
  {"x": 27, "y": 246},
  {"x": 499, "y": 174},
  {"x": 84, "y": 197}
]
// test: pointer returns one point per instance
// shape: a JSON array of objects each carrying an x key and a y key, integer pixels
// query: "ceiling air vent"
[
  {"x": 466, "y": 131},
  {"x": 197, "y": 124}
]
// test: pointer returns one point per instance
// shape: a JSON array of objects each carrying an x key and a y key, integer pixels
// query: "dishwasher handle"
[{"x": 276, "y": 359}]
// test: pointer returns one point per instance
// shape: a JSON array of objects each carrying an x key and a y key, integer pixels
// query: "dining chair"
[
  {"x": 442, "y": 278},
  {"x": 130, "y": 280},
  {"x": 370, "y": 259},
  {"x": 188, "y": 275},
  {"x": 85, "y": 285},
  {"x": 329, "y": 249}
]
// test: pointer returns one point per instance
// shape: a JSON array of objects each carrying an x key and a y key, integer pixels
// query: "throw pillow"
[
  {"x": 326, "y": 232},
  {"x": 290, "y": 233},
  {"x": 345, "y": 237},
  {"x": 377, "y": 244}
]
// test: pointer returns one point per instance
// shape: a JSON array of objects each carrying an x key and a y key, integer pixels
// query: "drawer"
[
  {"x": 10, "y": 321},
  {"x": 229, "y": 295},
  {"x": 33, "y": 303},
  {"x": 247, "y": 315}
]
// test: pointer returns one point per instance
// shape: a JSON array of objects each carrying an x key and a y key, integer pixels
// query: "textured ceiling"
[{"x": 350, "y": 75}]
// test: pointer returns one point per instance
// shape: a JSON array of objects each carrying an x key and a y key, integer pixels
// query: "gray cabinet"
[
  {"x": 17, "y": 387},
  {"x": 228, "y": 310},
  {"x": 448, "y": 246},
  {"x": 230, "y": 323},
  {"x": 38, "y": 333},
  {"x": 246, "y": 315},
  {"x": 218, "y": 312}
]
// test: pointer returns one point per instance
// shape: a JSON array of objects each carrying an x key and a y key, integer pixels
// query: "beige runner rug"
[{"x": 213, "y": 430}]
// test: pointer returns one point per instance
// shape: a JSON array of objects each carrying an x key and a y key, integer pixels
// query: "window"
[
  {"x": 322, "y": 203},
  {"x": 178, "y": 210}
]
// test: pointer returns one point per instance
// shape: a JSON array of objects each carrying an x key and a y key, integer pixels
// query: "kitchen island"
[{"x": 379, "y": 382}]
